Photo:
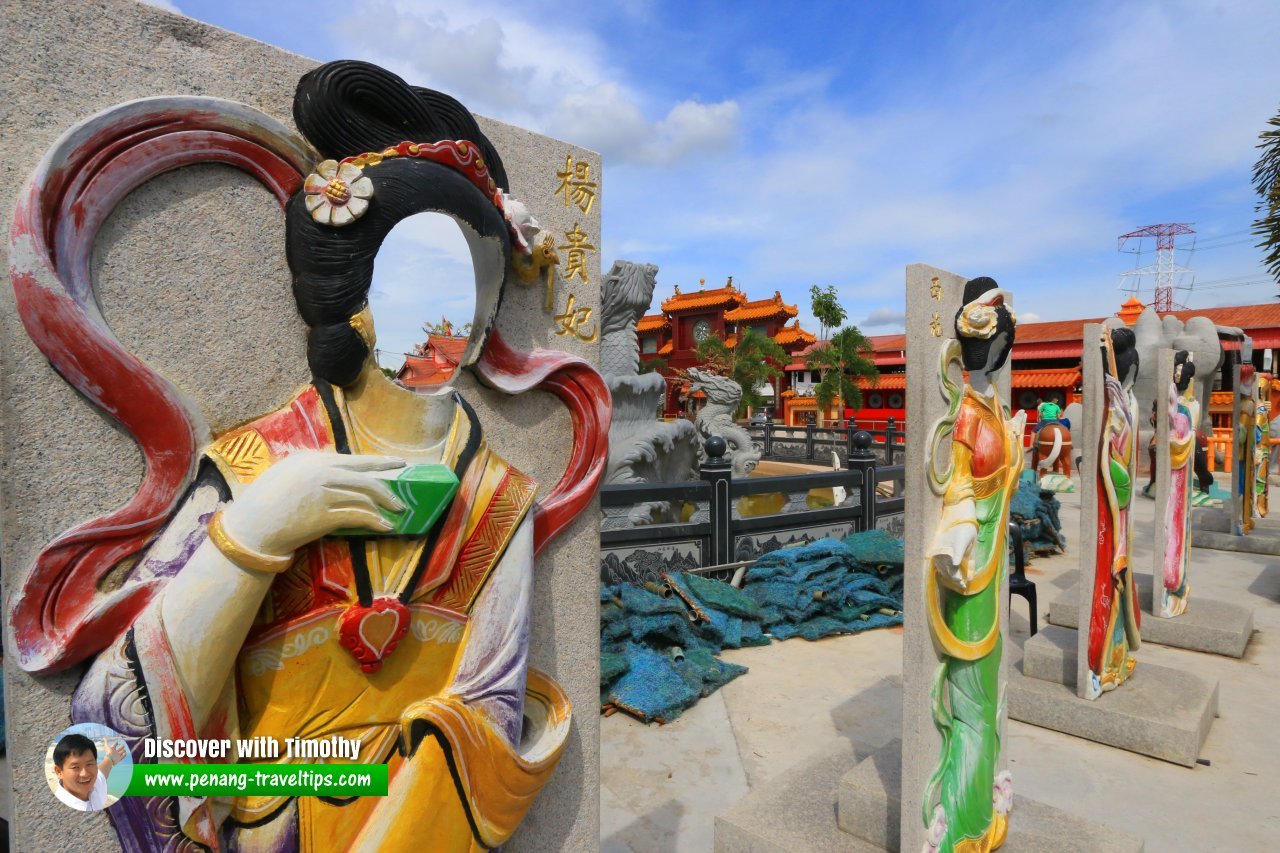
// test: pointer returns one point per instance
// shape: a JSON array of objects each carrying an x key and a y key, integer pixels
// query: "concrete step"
[
  {"x": 1210, "y": 626},
  {"x": 1253, "y": 543},
  {"x": 797, "y": 813},
  {"x": 869, "y": 803},
  {"x": 1160, "y": 711},
  {"x": 1219, "y": 521}
]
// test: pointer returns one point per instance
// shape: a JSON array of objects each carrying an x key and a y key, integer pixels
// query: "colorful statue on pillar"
[
  {"x": 1183, "y": 411},
  {"x": 967, "y": 803},
  {"x": 1262, "y": 445},
  {"x": 1114, "y": 617},
  {"x": 357, "y": 563},
  {"x": 1246, "y": 447}
]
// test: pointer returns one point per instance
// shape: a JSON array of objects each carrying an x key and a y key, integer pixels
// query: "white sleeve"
[{"x": 491, "y": 673}]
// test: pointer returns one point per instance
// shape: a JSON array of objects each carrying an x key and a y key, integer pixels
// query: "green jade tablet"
[{"x": 425, "y": 490}]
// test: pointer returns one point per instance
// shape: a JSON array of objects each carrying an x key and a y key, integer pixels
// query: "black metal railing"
[
  {"x": 817, "y": 443},
  {"x": 703, "y": 524}
]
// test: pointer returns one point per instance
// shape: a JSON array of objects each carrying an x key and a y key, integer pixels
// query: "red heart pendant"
[{"x": 371, "y": 633}]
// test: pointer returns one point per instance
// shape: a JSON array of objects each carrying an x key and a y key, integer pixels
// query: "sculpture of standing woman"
[
  {"x": 1183, "y": 411},
  {"x": 967, "y": 804},
  {"x": 1246, "y": 442},
  {"x": 1262, "y": 445},
  {"x": 1114, "y": 619}
]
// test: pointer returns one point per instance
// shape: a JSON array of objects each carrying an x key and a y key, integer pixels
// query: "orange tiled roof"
[
  {"x": 667, "y": 348},
  {"x": 422, "y": 371},
  {"x": 451, "y": 349},
  {"x": 652, "y": 323},
  {"x": 440, "y": 357},
  {"x": 888, "y": 382},
  {"x": 720, "y": 296},
  {"x": 761, "y": 309},
  {"x": 1045, "y": 378},
  {"x": 793, "y": 334},
  {"x": 1260, "y": 318}
]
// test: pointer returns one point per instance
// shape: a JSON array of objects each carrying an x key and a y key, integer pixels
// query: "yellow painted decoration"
[
  {"x": 241, "y": 455},
  {"x": 244, "y": 557}
]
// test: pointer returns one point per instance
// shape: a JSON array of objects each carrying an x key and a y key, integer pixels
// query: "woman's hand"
[
  {"x": 951, "y": 549},
  {"x": 308, "y": 495}
]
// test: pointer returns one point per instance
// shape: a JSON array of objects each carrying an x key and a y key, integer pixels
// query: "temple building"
[
  {"x": 1046, "y": 363},
  {"x": 687, "y": 318},
  {"x": 434, "y": 362}
]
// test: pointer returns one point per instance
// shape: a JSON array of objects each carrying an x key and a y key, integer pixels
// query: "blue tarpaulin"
[{"x": 659, "y": 643}]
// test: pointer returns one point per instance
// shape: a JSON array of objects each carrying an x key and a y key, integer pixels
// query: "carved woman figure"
[
  {"x": 1262, "y": 446},
  {"x": 272, "y": 601},
  {"x": 967, "y": 562},
  {"x": 1114, "y": 619},
  {"x": 1246, "y": 437},
  {"x": 1183, "y": 410}
]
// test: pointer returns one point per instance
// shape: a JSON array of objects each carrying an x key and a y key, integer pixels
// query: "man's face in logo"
[{"x": 78, "y": 772}]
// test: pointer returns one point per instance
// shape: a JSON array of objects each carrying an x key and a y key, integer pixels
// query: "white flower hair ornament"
[
  {"x": 337, "y": 193},
  {"x": 979, "y": 318}
]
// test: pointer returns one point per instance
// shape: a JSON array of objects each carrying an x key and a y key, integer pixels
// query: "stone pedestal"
[
  {"x": 869, "y": 802},
  {"x": 793, "y": 813},
  {"x": 1161, "y": 712},
  {"x": 1212, "y": 529},
  {"x": 1210, "y": 626}
]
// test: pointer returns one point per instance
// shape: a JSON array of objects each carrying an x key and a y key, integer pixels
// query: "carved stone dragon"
[
  {"x": 716, "y": 417},
  {"x": 642, "y": 448}
]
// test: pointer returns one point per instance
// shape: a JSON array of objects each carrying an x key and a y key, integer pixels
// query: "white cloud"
[
  {"x": 885, "y": 317},
  {"x": 606, "y": 118},
  {"x": 539, "y": 73},
  {"x": 1023, "y": 165},
  {"x": 1020, "y": 151}
]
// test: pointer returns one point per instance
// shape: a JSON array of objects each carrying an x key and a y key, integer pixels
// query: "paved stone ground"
[{"x": 663, "y": 786}]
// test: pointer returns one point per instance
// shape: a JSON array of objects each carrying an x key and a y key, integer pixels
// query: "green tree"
[
  {"x": 657, "y": 364},
  {"x": 1266, "y": 181},
  {"x": 826, "y": 308},
  {"x": 754, "y": 361},
  {"x": 841, "y": 361}
]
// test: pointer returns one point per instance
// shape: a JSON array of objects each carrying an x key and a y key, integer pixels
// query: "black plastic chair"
[{"x": 1018, "y": 583}]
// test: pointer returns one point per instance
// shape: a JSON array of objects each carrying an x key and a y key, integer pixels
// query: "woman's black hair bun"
[
  {"x": 336, "y": 352},
  {"x": 348, "y": 107}
]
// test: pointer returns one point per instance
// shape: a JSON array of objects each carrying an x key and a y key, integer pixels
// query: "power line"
[{"x": 1199, "y": 248}]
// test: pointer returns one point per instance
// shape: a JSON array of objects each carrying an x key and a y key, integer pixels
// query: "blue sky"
[{"x": 838, "y": 144}]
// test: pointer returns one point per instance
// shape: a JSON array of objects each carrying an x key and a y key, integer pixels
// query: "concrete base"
[
  {"x": 1210, "y": 626},
  {"x": 869, "y": 805},
  {"x": 1219, "y": 521},
  {"x": 1213, "y": 529},
  {"x": 1161, "y": 712},
  {"x": 1254, "y": 543},
  {"x": 794, "y": 814}
]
